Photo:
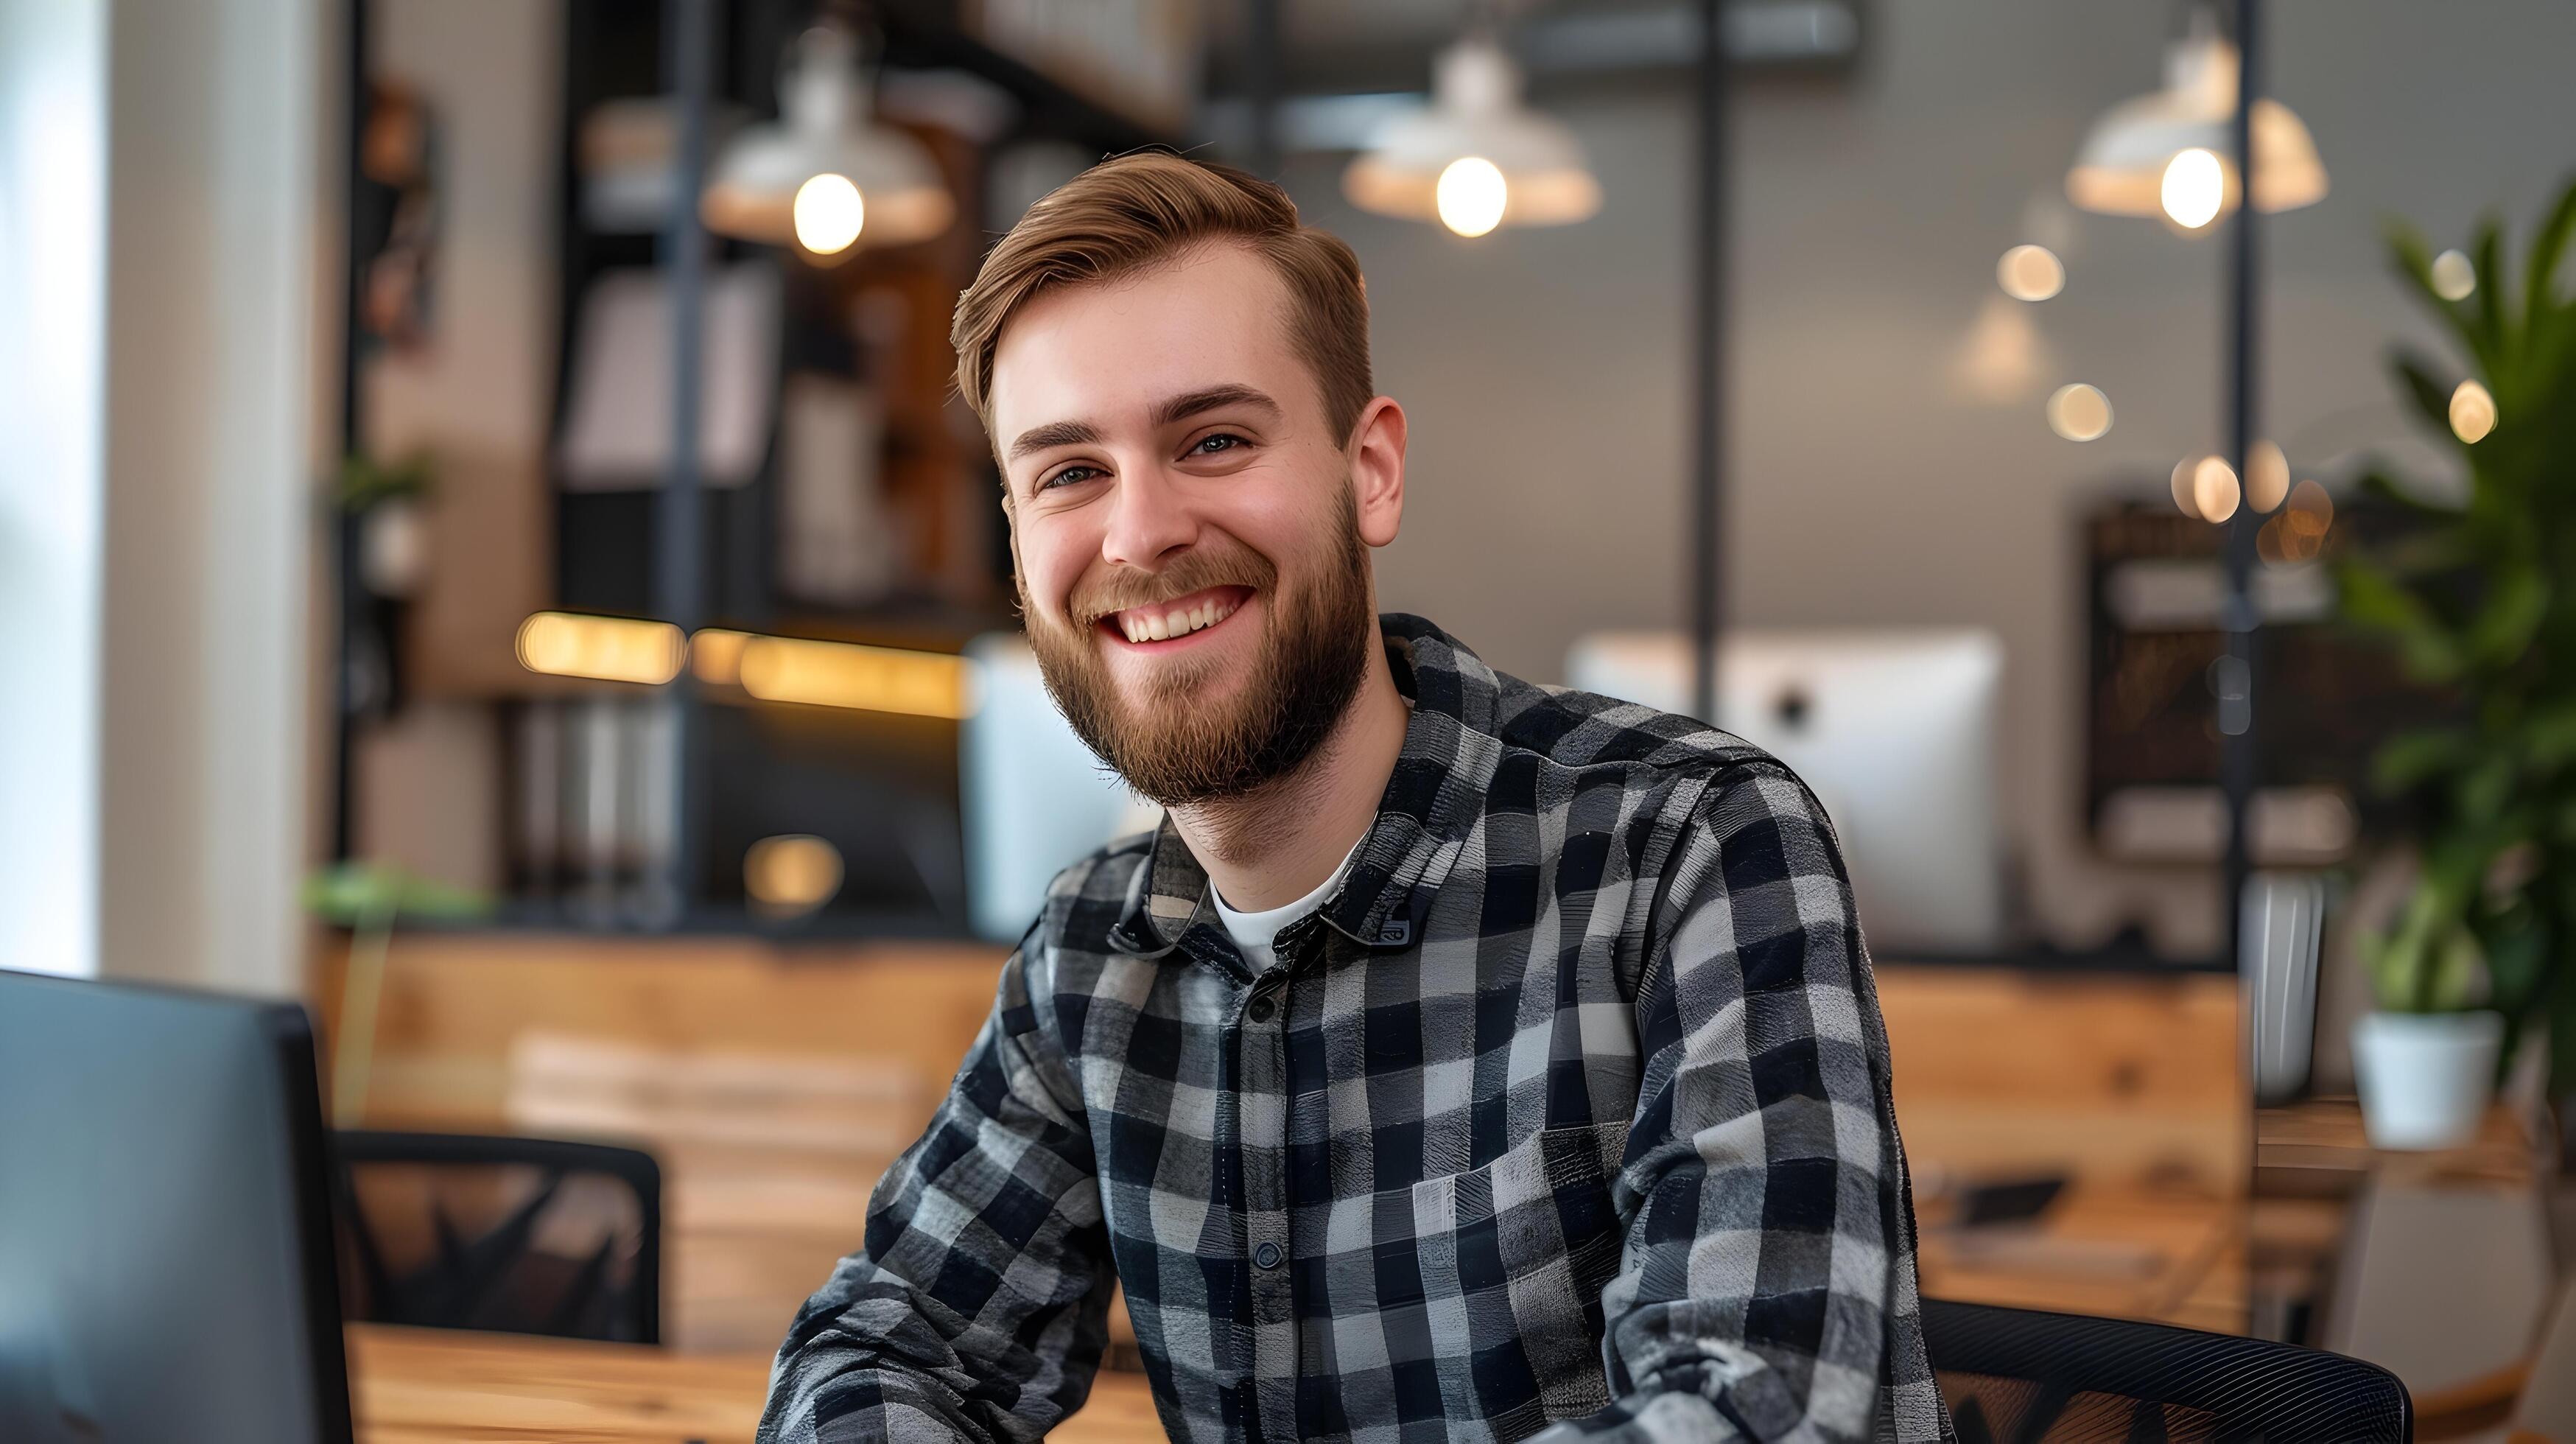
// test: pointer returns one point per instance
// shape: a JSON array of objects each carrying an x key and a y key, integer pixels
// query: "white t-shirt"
[{"x": 1254, "y": 932}]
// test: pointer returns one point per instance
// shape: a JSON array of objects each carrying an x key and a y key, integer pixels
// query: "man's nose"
[{"x": 1149, "y": 519}]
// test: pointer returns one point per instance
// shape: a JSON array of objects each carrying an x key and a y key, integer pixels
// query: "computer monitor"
[
  {"x": 1894, "y": 733},
  {"x": 166, "y": 1266}
]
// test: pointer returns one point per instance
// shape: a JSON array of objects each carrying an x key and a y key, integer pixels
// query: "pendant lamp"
[
  {"x": 1476, "y": 157},
  {"x": 2169, "y": 152},
  {"x": 825, "y": 176}
]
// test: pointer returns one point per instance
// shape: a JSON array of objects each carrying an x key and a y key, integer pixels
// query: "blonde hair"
[{"x": 1131, "y": 212}]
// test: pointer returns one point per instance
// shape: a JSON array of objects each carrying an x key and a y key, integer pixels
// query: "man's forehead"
[{"x": 1108, "y": 352}]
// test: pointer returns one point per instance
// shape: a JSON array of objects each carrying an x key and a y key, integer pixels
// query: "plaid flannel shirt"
[{"x": 1569, "y": 1107}]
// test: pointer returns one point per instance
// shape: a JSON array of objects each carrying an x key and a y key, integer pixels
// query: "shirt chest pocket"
[{"x": 1514, "y": 1256}]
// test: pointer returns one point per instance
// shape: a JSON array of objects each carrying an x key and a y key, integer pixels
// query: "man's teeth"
[{"x": 1178, "y": 622}]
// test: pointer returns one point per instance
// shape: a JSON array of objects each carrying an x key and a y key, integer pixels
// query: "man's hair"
[{"x": 1130, "y": 213}]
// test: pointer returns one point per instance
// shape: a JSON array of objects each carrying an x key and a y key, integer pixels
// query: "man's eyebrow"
[
  {"x": 1191, "y": 403},
  {"x": 1054, "y": 433},
  {"x": 1166, "y": 412}
]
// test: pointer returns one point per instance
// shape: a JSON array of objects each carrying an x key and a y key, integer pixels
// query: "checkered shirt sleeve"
[
  {"x": 1769, "y": 1236},
  {"x": 978, "y": 1308}
]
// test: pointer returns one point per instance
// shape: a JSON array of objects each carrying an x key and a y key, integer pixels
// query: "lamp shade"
[
  {"x": 761, "y": 191},
  {"x": 1423, "y": 165},
  {"x": 2121, "y": 169}
]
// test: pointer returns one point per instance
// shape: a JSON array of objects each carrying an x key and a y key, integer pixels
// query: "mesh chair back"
[
  {"x": 2014, "y": 1376},
  {"x": 519, "y": 1235}
]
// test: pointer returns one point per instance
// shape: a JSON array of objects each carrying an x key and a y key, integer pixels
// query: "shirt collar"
[{"x": 1451, "y": 749}]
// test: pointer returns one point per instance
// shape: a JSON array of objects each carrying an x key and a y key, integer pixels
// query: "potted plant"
[{"x": 2479, "y": 600}]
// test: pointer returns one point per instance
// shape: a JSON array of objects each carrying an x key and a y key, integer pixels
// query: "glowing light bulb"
[
  {"x": 1471, "y": 195},
  {"x": 2079, "y": 412},
  {"x": 2454, "y": 276},
  {"x": 2195, "y": 186},
  {"x": 830, "y": 213},
  {"x": 2473, "y": 412},
  {"x": 2030, "y": 273}
]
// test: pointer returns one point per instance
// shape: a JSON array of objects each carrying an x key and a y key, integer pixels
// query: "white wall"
[
  {"x": 215, "y": 213},
  {"x": 1546, "y": 371},
  {"x": 53, "y": 161}
]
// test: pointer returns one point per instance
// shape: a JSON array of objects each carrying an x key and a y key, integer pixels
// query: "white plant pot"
[{"x": 2425, "y": 1077}]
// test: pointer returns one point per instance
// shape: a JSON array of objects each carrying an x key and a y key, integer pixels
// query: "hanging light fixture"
[
  {"x": 825, "y": 176},
  {"x": 2169, "y": 152},
  {"x": 1476, "y": 157}
]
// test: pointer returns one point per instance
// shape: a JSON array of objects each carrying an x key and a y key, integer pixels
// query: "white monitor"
[
  {"x": 1892, "y": 730},
  {"x": 1032, "y": 798}
]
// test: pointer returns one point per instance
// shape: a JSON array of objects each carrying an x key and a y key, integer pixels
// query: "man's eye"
[
  {"x": 1068, "y": 477},
  {"x": 1211, "y": 445}
]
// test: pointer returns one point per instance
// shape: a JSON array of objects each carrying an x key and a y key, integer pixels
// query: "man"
[{"x": 1461, "y": 1057}]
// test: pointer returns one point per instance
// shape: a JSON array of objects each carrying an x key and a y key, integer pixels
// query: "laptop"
[{"x": 167, "y": 1269}]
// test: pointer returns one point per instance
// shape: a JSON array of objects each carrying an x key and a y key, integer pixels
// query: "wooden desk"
[
  {"x": 428, "y": 1386},
  {"x": 2116, "y": 1254}
]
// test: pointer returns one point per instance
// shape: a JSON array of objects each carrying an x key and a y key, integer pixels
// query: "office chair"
[
  {"x": 2016, "y": 1376},
  {"x": 519, "y": 1235}
]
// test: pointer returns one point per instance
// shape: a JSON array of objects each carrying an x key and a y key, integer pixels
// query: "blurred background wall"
[{"x": 1548, "y": 378}]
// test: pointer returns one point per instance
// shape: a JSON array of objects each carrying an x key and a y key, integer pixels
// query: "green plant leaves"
[
  {"x": 2432, "y": 399},
  {"x": 2375, "y": 599},
  {"x": 2517, "y": 598},
  {"x": 2475, "y": 599},
  {"x": 2539, "y": 291},
  {"x": 2411, "y": 759}
]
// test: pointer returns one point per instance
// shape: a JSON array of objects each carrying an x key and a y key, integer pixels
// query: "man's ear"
[{"x": 1377, "y": 470}]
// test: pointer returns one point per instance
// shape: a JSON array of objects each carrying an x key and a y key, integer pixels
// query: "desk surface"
[
  {"x": 2178, "y": 1260},
  {"x": 2173, "y": 1259},
  {"x": 416, "y": 1386}
]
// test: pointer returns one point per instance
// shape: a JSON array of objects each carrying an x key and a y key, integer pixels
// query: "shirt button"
[
  {"x": 1267, "y": 1255},
  {"x": 1262, "y": 1009}
]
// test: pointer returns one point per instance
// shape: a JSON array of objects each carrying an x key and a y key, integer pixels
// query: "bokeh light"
[
  {"x": 2298, "y": 533},
  {"x": 2473, "y": 412},
  {"x": 2214, "y": 492},
  {"x": 1471, "y": 195},
  {"x": 2311, "y": 509},
  {"x": 2030, "y": 273},
  {"x": 2454, "y": 277},
  {"x": 2079, "y": 412},
  {"x": 791, "y": 874},
  {"x": 2267, "y": 477},
  {"x": 2183, "y": 499}
]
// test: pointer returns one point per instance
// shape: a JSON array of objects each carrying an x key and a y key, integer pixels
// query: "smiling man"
[{"x": 1461, "y": 1059}]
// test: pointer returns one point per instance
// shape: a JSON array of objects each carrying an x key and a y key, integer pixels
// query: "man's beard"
[{"x": 1170, "y": 746}]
